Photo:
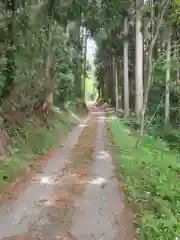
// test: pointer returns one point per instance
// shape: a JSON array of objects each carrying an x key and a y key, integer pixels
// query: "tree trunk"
[
  {"x": 132, "y": 72},
  {"x": 178, "y": 63},
  {"x": 154, "y": 35},
  {"x": 146, "y": 93},
  {"x": 168, "y": 69},
  {"x": 49, "y": 60},
  {"x": 121, "y": 84},
  {"x": 49, "y": 69},
  {"x": 110, "y": 81},
  {"x": 111, "y": 84},
  {"x": 126, "y": 71},
  {"x": 105, "y": 86},
  {"x": 101, "y": 88},
  {"x": 85, "y": 61},
  {"x": 139, "y": 60},
  {"x": 116, "y": 86},
  {"x": 77, "y": 66}
]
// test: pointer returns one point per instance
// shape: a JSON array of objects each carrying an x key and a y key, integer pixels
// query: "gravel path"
[
  {"x": 101, "y": 202},
  {"x": 97, "y": 212},
  {"x": 15, "y": 218}
]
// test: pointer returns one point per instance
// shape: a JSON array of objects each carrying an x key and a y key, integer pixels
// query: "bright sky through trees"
[{"x": 91, "y": 50}]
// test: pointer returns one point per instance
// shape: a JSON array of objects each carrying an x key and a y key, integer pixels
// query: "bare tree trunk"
[
  {"x": 146, "y": 93},
  {"x": 110, "y": 81},
  {"x": 132, "y": 72},
  {"x": 178, "y": 63},
  {"x": 116, "y": 86},
  {"x": 177, "y": 72},
  {"x": 49, "y": 55},
  {"x": 168, "y": 58},
  {"x": 85, "y": 60},
  {"x": 105, "y": 87},
  {"x": 139, "y": 60},
  {"x": 118, "y": 67},
  {"x": 49, "y": 70},
  {"x": 154, "y": 35},
  {"x": 126, "y": 71},
  {"x": 77, "y": 63}
]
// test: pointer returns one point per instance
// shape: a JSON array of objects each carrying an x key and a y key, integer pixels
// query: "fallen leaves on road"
[{"x": 69, "y": 185}]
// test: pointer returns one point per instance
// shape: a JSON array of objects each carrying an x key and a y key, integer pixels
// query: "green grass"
[
  {"x": 31, "y": 142},
  {"x": 152, "y": 177}
]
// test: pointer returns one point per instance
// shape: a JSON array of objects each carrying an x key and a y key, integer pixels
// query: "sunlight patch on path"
[{"x": 98, "y": 180}]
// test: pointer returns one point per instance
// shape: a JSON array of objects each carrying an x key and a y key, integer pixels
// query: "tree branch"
[{"x": 159, "y": 24}]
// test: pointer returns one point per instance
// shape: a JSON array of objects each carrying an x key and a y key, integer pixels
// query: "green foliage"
[
  {"x": 36, "y": 34},
  {"x": 157, "y": 93},
  {"x": 31, "y": 44},
  {"x": 63, "y": 69},
  {"x": 3, "y": 62},
  {"x": 110, "y": 39},
  {"x": 151, "y": 173}
]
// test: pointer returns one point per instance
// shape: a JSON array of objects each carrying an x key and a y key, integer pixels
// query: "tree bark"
[
  {"x": 139, "y": 60},
  {"x": 110, "y": 82},
  {"x": 49, "y": 69},
  {"x": 85, "y": 61},
  {"x": 154, "y": 35},
  {"x": 178, "y": 63},
  {"x": 77, "y": 66},
  {"x": 126, "y": 71},
  {"x": 168, "y": 58},
  {"x": 116, "y": 86}
]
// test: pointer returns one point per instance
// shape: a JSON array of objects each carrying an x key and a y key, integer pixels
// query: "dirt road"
[{"x": 76, "y": 195}]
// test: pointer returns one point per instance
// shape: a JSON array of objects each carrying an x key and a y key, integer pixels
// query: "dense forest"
[
  {"x": 43, "y": 56},
  {"x": 42, "y": 60},
  {"x": 137, "y": 62},
  {"x": 43, "y": 63}
]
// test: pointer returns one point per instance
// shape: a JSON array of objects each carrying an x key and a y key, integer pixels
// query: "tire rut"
[
  {"x": 18, "y": 217},
  {"x": 99, "y": 210},
  {"x": 55, "y": 220},
  {"x": 87, "y": 201}
]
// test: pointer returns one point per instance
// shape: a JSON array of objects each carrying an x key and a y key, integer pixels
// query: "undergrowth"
[
  {"x": 32, "y": 141},
  {"x": 151, "y": 173}
]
